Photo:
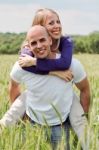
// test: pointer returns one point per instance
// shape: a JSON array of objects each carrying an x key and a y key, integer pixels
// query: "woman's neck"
[
  {"x": 55, "y": 45},
  {"x": 52, "y": 55}
]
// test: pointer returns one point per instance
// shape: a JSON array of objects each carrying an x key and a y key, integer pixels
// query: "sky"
[{"x": 77, "y": 16}]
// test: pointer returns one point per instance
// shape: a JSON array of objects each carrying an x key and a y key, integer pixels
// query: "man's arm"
[
  {"x": 84, "y": 88},
  {"x": 14, "y": 90}
]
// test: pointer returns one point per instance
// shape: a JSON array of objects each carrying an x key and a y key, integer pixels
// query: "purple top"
[{"x": 45, "y": 65}]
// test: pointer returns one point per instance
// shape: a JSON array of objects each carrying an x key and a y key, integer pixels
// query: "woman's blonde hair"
[
  {"x": 41, "y": 15},
  {"x": 39, "y": 19}
]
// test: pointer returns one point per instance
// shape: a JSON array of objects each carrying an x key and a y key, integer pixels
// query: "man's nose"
[{"x": 39, "y": 45}]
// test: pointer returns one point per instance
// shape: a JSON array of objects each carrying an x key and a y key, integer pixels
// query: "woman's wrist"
[{"x": 34, "y": 61}]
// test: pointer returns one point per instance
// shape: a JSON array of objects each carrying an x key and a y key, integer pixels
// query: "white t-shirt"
[{"x": 49, "y": 97}]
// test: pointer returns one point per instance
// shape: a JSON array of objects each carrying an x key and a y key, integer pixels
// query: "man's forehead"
[
  {"x": 37, "y": 38},
  {"x": 36, "y": 28},
  {"x": 38, "y": 35},
  {"x": 37, "y": 32}
]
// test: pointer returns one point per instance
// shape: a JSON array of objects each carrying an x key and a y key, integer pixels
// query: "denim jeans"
[{"x": 56, "y": 133}]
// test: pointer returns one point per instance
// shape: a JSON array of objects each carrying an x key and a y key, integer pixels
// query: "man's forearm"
[
  {"x": 84, "y": 88},
  {"x": 85, "y": 100}
]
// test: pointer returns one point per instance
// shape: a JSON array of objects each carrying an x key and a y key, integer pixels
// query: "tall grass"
[{"x": 25, "y": 137}]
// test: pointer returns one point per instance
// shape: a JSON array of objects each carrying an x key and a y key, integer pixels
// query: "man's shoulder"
[
  {"x": 16, "y": 67},
  {"x": 75, "y": 62},
  {"x": 78, "y": 70},
  {"x": 76, "y": 66},
  {"x": 17, "y": 72}
]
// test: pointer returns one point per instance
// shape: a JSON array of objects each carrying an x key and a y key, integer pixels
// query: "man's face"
[{"x": 40, "y": 43}]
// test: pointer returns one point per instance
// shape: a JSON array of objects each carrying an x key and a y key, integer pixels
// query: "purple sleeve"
[
  {"x": 45, "y": 65},
  {"x": 26, "y": 51},
  {"x": 32, "y": 69},
  {"x": 62, "y": 63}
]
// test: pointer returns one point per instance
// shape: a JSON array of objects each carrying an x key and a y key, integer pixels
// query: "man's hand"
[
  {"x": 26, "y": 60},
  {"x": 65, "y": 75}
]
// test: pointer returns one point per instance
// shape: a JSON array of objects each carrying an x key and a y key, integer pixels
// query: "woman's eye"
[
  {"x": 58, "y": 21},
  {"x": 51, "y": 23}
]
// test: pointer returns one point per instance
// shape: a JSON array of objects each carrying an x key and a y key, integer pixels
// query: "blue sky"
[{"x": 77, "y": 16}]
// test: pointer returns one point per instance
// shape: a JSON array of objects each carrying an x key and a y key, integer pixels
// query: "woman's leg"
[
  {"x": 78, "y": 120},
  {"x": 15, "y": 112}
]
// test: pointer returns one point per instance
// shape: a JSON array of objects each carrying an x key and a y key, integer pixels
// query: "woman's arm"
[
  {"x": 62, "y": 63},
  {"x": 47, "y": 65},
  {"x": 27, "y": 58},
  {"x": 65, "y": 75}
]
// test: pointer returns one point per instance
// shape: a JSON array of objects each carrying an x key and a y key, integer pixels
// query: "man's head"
[{"x": 39, "y": 41}]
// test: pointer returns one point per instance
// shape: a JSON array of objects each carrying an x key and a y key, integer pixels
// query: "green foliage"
[
  {"x": 79, "y": 45},
  {"x": 10, "y": 43},
  {"x": 87, "y": 44},
  {"x": 94, "y": 42}
]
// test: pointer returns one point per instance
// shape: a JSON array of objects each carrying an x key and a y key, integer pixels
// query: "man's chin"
[{"x": 41, "y": 57}]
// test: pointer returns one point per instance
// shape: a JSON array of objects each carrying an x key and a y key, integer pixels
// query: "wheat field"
[{"x": 12, "y": 138}]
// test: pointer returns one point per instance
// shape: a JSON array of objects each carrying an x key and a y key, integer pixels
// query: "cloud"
[
  {"x": 18, "y": 18},
  {"x": 76, "y": 21}
]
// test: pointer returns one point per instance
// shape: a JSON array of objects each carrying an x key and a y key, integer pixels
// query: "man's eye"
[
  {"x": 33, "y": 43},
  {"x": 42, "y": 40}
]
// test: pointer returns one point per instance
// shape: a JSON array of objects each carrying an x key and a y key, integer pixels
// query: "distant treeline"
[{"x": 10, "y": 43}]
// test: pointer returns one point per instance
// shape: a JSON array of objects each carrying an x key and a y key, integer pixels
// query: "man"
[{"x": 47, "y": 94}]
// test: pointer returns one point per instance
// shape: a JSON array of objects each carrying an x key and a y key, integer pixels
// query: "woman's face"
[{"x": 53, "y": 25}]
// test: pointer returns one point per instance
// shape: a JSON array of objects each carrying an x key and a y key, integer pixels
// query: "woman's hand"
[
  {"x": 26, "y": 60},
  {"x": 65, "y": 75}
]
